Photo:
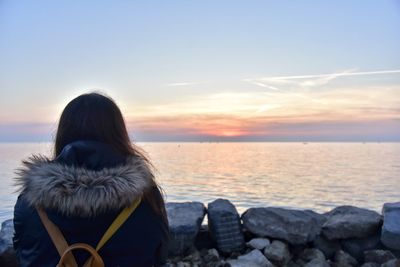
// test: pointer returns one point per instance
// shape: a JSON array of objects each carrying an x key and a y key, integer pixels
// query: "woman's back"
[{"x": 82, "y": 191}]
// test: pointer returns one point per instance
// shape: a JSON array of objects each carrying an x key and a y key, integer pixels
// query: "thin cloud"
[
  {"x": 260, "y": 115},
  {"x": 328, "y": 75},
  {"x": 182, "y": 84},
  {"x": 311, "y": 80},
  {"x": 262, "y": 84}
]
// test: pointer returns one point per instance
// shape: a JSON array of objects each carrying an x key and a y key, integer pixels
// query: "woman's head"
[
  {"x": 96, "y": 117},
  {"x": 93, "y": 117}
]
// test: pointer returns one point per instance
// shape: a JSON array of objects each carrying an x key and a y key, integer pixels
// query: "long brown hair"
[{"x": 97, "y": 117}]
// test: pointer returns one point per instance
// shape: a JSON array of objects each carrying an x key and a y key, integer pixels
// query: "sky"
[{"x": 206, "y": 70}]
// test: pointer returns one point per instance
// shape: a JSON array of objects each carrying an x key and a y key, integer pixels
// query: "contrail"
[
  {"x": 339, "y": 74},
  {"x": 182, "y": 84}
]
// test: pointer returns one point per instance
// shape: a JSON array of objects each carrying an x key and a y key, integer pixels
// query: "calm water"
[{"x": 317, "y": 176}]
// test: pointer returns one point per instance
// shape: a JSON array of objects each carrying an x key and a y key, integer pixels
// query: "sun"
[
  {"x": 230, "y": 133},
  {"x": 226, "y": 132}
]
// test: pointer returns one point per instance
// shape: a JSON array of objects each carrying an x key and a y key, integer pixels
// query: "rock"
[
  {"x": 392, "y": 263},
  {"x": 183, "y": 264},
  {"x": 225, "y": 226},
  {"x": 395, "y": 252},
  {"x": 334, "y": 264},
  {"x": 311, "y": 254},
  {"x": 212, "y": 256},
  {"x": 293, "y": 226},
  {"x": 296, "y": 250},
  {"x": 328, "y": 247},
  {"x": 343, "y": 259},
  {"x": 320, "y": 218},
  {"x": 204, "y": 239},
  {"x": 311, "y": 257},
  {"x": 184, "y": 223},
  {"x": 278, "y": 253},
  {"x": 317, "y": 263},
  {"x": 214, "y": 253},
  {"x": 258, "y": 243},
  {"x": 390, "y": 235},
  {"x": 379, "y": 256},
  {"x": 351, "y": 222},
  {"x": 6, "y": 235},
  {"x": 7, "y": 253},
  {"x": 255, "y": 256},
  {"x": 248, "y": 235},
  {"x": 293, "y": 264},
  {"x": 236, "y": 254},
  {"x": 243, "y": 263},
  {"x": 356, "y": 246},
  {"x": 193, "y": 257},
  {"x": 370, "y": 264}
]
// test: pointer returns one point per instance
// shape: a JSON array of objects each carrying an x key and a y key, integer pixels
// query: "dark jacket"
[{"x": 82, "y": 191}]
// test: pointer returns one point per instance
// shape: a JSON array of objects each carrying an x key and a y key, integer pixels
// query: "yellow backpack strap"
[
  {"x": 58, "y": 239},
  {"x": 122, "y": 217},
  {"x": 116, "y": 224},
  {"x": 96, "y": 262}
]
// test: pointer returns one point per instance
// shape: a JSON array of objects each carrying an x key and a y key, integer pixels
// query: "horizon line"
[{"x": 229, "y": 141}]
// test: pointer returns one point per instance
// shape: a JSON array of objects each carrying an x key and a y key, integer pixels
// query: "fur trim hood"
[{"x": 77, "y": 191}]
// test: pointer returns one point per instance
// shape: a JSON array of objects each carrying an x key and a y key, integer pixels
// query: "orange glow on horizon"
[
  {"x": 231, "y": 133},
  {"x": 225, "y": 132}
]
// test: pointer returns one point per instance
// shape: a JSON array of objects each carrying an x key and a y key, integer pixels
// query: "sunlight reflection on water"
[{"x": 316, "y": 176}]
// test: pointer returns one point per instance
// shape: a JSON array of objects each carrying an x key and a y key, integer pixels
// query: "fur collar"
[{"x": 82, "y": 192}]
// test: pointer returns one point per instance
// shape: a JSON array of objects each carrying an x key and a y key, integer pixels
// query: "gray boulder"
[
  {"x": 225, "y": 227},
  {"x": 211, "y": 256},
  {"x": 184, "y": 224},
  {"x": 258, "y": 243},
  {"x": 311, "y": 257},
  {"x": 255, "y": 256},
  {"x": 390, "y": 235},
  {"x": 370, "y": 264},
  {"x": 328, "y": 247},
  {"x": 317, "y": 263},
  {"x": 183, "y": 264},
  {"x": 294, "y": 264},
  {"x": 378, "y": 256},
  {"x": 243, "y": 263},
  {"x": 6, "y": 235},
  {"x": 204, "y": 239},
  {"x": 240, "y": 263},
  {"x": 356, "y": 246},
  {"x": 278, "y": 253},
  {"x": 343, "y": 259},
  {"x": 293, "y": 226},
  {"x": 195, "y": 256},
  {"x": 392, "y": 263},
  {"x": 296, "y": 250},
  {"x": 310, "y": 254},
  {"x": 351, "y": 222}
]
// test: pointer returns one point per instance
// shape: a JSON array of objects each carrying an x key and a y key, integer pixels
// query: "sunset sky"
[{"x": 206, "y": 70}]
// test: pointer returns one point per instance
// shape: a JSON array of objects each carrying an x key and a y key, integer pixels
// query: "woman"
[{"x": 95, "y": 174}]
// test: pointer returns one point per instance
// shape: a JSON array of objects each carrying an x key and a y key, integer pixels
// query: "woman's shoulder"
[{"x": 75, "y": 190}]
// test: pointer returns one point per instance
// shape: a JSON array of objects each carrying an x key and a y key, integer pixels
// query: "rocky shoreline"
[{"x": 343, "y": 237}]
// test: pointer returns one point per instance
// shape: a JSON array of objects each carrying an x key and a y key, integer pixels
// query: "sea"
[{"x": 317, "y": 176}]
